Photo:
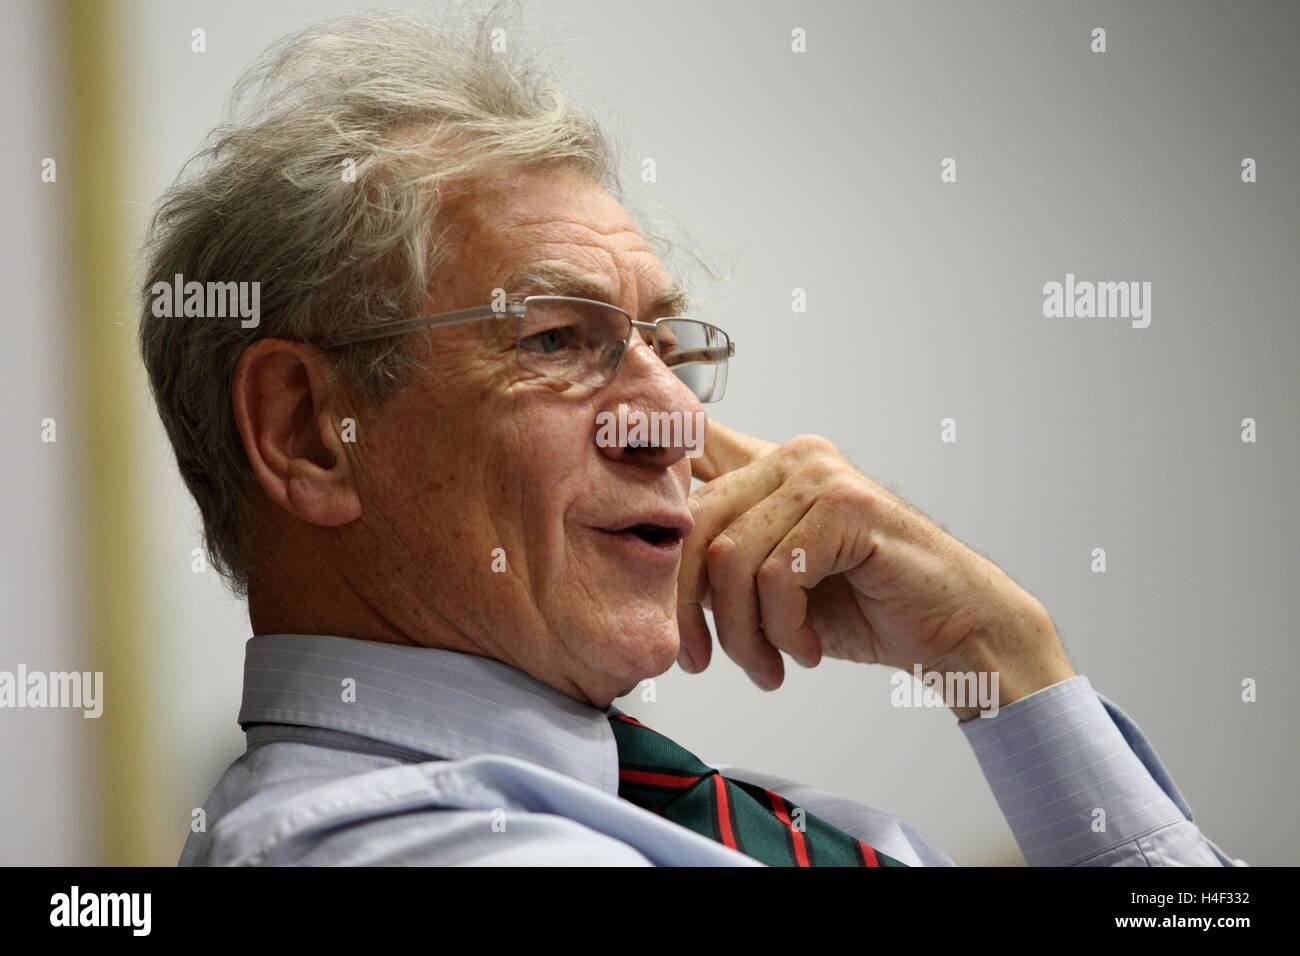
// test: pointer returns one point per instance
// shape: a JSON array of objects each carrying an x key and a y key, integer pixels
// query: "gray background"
[{"x": 821, "y": 171}]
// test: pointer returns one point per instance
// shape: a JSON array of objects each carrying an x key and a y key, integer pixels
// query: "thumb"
[{"x": 726, "y": 450}]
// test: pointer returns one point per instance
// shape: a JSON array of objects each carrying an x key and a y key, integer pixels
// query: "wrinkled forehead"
[{"x": 556, "y": 232}]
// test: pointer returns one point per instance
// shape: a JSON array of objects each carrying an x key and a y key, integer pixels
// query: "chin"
[{"x": 635, "y": 649}]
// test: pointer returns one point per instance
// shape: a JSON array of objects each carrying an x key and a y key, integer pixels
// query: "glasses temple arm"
[
  {"x": 388, "y": 329},
  {"x": 686, "y": 356}
]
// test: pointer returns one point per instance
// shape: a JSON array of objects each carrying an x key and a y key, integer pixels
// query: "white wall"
[
  {"x": 47, "y": 767},
  {"x": 820, "y": 171}
]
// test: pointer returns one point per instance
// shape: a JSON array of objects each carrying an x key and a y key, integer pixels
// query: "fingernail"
[{"x": 684, "y": 661}]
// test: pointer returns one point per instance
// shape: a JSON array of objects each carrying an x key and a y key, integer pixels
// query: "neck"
[{"x": 313, "y": 596}]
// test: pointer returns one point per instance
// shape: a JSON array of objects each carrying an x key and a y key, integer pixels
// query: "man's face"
[{"x": 491, "y": 516}]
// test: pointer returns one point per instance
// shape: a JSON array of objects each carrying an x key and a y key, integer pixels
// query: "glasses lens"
[
  {"x": 697, "y": 354},
  {"x": 573, "y": 340}
]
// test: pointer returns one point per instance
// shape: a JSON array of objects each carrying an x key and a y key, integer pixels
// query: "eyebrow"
[{"x": 550, "y": 278}]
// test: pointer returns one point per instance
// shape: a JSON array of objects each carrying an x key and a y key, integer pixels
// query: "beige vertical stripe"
[{"x": 103, "y": 324}]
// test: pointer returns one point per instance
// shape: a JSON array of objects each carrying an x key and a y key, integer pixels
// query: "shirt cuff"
[{"x": 1073, "y": 775}]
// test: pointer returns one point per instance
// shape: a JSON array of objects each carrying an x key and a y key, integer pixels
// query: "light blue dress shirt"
[{"x": 361, "y": 753}]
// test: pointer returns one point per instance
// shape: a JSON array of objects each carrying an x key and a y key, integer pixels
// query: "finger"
[
  {"x": 796, "y": 565},
  {"x": 727, "y": 450},
  {"x": 785, "y": 604},
  {"x": 713, "y": 507},
  {"x": 837, "y": 616},
  {"x": 712, "y": 511},
  {"x": 735, "y": 563},
  {"x": 819, "y": 546},
  {"x": 735, "y": 615},
  {"x": 696, "y": 646},
  {"x": 733, "y": 560}
]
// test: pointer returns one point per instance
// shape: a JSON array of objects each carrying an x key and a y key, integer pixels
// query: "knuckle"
[
  {"x": 771, "y": 573},
  {"x": 852, "y": 497},
  {"x": 821, "y": 471},
  {"x": 810, "y": 446},
  {"x": 720, "y": 558}
]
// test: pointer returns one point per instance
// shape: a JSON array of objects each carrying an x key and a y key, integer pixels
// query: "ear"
[{"x": 286, "y": 413}]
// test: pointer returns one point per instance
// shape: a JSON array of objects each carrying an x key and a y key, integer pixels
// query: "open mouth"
[
  {"x": 652, "y": 534},
  {"x": 662, "y": 537},
  {"x": 656, "y": 534}
]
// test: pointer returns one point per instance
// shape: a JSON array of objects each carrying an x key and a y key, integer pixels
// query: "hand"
[{"x": 796, "y": 551}]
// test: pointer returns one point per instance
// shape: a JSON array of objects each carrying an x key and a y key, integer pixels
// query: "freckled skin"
[
  {"x": 394, "y": 538},
  {"x": 477, "y": 453}
]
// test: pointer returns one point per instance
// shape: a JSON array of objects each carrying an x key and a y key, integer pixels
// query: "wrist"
[{"x": 1018, "y": 661}]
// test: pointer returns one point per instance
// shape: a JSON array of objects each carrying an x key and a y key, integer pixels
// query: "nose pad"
[{"x": 675, "y": 392}]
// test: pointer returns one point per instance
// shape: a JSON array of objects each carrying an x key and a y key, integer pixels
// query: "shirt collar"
[{"x": 438, "y": 702}]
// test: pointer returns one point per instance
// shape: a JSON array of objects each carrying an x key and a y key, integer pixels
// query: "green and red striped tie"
[{"x": 660, "y": 776}]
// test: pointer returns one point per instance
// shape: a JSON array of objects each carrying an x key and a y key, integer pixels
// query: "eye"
[
  {"x": 556, "y": 334},
  {"x": 552, "y": 340}
]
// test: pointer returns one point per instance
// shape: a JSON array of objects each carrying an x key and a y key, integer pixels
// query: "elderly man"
[{"x": 451, "y": 576}]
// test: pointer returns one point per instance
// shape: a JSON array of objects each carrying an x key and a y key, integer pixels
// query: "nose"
[{"x": 647, "y": 415}]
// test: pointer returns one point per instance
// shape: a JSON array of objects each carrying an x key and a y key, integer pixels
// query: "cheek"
[
  {"x": 538, "y": 466},
  {"x": 424, "y": 472}
]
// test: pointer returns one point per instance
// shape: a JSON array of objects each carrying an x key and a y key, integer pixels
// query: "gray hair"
[{"x": 404, "y": 105}]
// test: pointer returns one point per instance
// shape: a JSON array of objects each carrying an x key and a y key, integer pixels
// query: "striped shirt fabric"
[{"x": 361, "y": 753}]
